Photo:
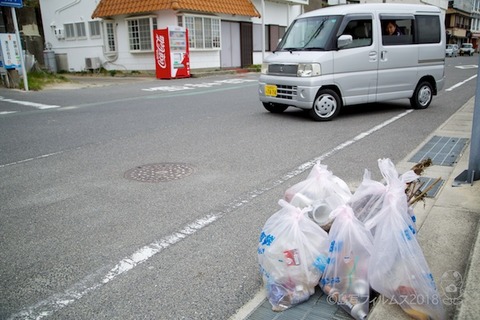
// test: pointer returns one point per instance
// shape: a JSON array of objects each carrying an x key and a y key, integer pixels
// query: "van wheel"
[
  {"x": 422, "y": 96},
  {"x": 326, "y": 106},
  {"x": 274, "y": 107}
]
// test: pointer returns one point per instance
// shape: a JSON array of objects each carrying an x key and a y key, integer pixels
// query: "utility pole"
[{"x": 473, "y": 172}]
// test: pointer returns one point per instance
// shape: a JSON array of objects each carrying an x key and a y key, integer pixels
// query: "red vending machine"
[{"x": 171, "y": 53}]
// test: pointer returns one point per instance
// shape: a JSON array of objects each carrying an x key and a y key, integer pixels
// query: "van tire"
[
  {"x": 422, "y": 96},
  {"x": 274, "y": 107},
  {"x": 326, "y": 106}
]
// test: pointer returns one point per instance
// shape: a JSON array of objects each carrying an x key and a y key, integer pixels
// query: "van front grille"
[
  {"x": 286, "y": 92},
  {"x": 283, "y": 69}
]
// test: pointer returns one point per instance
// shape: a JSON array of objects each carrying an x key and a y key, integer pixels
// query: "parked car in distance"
[
  {"x": 466, "y": 48},
  {"x": 451, "y": 50}
]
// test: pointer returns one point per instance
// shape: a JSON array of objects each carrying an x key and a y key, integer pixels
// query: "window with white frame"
[
  {"x": 69, "y": 31},
  {"x": 75, "y": 31},
  {"x": 81, "y": 33},
  {"x": 140, "y": 31},
  {"x": 203, "y": 32},
  {"x": 94, "y": 27},
  {"x": 110, "y": 36}
]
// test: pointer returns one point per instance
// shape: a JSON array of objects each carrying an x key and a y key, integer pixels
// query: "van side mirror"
[{"x": 344, "y": 40}]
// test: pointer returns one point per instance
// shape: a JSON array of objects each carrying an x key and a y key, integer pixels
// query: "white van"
[{"x": 342, "y": 55}]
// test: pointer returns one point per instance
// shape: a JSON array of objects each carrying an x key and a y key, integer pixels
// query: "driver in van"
[{"x": 392, "y": 29}]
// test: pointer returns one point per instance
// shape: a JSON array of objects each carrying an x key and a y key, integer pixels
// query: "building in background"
[
  {"x": 475, "y": 24},
  {"x": 458, "y": 21},
  {"x": 117, "y": 34}
]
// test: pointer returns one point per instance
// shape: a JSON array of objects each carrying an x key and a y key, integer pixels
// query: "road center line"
[
  {"x": 94, "y": 281},
  {"x": 40, "y": 106},
  {"x": 31, "y": 159}
]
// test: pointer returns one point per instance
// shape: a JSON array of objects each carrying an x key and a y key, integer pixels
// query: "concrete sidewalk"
[{"x": 448, "y": 233}]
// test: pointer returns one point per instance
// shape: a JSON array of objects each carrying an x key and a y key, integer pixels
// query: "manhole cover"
[{"x": 159, "y": 172}]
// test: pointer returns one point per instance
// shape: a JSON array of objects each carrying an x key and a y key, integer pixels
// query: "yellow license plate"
[{"x": 270, "y": 90}]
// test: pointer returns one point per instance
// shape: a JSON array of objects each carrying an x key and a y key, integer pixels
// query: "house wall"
[
  {"x": 442, "y": 4},
  {"x": 55, "y": 13},
  {"x": 276, "y": 14}
]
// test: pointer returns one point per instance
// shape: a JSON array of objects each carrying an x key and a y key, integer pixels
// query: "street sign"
[
  {"x": 11, "y": 3},
  {"x": 10, "y": 51}
]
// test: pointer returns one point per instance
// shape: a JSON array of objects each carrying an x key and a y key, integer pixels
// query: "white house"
[{"x": 117, "y": 34}]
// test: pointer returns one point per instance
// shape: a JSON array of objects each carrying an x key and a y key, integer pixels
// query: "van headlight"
[
  {"x": 308, "y": 70},
  {"x": 264, "y": 69}
]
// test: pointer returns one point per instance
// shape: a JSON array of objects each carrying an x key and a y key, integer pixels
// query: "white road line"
[
  {"x": 31, "y": 159},
  {"x": 191, "y": 86},
  {"x": 7, "y": 112},
  {"x": 460, "y": 83},
  {"x": 92, "y": 282},
  {"x": 30, "y": 104}
]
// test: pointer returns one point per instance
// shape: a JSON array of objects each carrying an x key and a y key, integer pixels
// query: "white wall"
[
  {"x": 275, "y": 13},
  {"x": 57, "y": 12},
  {"x": 442, "y": 4}
]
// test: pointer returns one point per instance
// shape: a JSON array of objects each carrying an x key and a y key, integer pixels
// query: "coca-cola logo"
[{"x": 160, "y": 45}]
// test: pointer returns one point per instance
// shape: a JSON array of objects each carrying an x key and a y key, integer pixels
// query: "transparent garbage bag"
[
  {"x": 321, "y": 192},
  {"x": 345, "y": 279},
  {"x": 398, "y": 269},
  {"x": 368, "y": 199},
  {"x": 292, "y": 253}
]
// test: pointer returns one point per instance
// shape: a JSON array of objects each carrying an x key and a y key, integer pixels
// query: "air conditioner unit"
[{"x": 92, "y": 63}]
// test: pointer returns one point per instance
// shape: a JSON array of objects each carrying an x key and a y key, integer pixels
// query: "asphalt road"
[{"x": 78, "y": 240}]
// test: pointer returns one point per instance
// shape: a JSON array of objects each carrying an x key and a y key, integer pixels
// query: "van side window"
[
  {"x": 428, "y": 29},
  {"x": 361, "y": 32},
  {"x": 397, "y": 31}
]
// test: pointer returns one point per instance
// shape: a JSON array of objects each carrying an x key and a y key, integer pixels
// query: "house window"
[
  {"x": 75, "y": 31},
  {"x": 203, "y": 32},
  {"x": 69, "y": 31},
  {"x": 110, "y": 37},
  {"x": 81, "y": 33},
  {"x": 94, "y": 27},
  {"x": 140, "y": 33}
]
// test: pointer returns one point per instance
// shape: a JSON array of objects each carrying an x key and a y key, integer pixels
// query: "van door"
[
  {"x": 398, "y": 63},
  {"x": 355, "y": 66}
]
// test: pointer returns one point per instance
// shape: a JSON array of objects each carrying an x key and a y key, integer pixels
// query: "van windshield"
[{"x": 308, "y": 34}]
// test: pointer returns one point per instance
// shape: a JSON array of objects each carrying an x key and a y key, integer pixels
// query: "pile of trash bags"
[{"x": 348, "y": 244}]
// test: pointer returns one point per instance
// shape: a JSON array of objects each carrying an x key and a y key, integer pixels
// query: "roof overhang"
[{"x": 110, "y": 8}]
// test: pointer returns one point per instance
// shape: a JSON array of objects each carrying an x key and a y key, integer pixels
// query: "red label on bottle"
[{"x": 291, "y": 257}]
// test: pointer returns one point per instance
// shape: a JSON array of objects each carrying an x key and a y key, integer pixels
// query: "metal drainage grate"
[
  {"x": 443, "y": 151},
  {"x": 159, "y": 172},
  {"x": 315, "y": 308},
  {"x": 429, "y": 181}
]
